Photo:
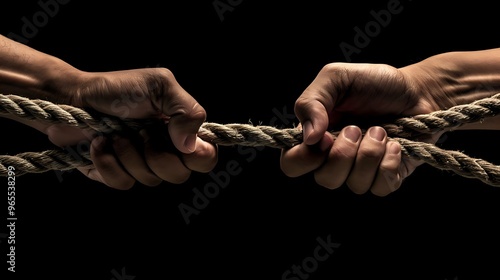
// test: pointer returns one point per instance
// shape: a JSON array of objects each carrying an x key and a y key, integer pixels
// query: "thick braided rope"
[
  {"x": 249, "y": 135},
  {"x": 405, "y": 127}
]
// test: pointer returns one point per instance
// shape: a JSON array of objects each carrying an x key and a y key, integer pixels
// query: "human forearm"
[
  {"x": 33, "y": 74},
  {"x": 481, "y": 78},
  {"x": 456, "y": 78}
]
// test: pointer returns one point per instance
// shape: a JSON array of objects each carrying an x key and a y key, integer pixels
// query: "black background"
[{"x": 255, "y": 61}]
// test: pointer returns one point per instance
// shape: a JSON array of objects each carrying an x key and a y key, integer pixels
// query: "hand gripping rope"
[{"x": 401, "y": 130}]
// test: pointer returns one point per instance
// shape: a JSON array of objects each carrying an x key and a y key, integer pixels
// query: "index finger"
[{"x": 315, "y": 105}]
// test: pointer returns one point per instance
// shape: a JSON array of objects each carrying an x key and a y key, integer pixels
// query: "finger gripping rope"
[{"x": 401, "y": 130}]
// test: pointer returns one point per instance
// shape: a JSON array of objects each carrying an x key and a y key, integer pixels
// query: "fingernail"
[
  {"x": 377, "y": 133},
  {"x": 352, "y": 133},
  {"x": 190, "y": 142},
  {"x": 393, "y": 148},
  {"x": 307, "y": 128}
]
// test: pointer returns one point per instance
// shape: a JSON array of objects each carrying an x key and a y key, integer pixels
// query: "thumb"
[
  {"x": 313, "y": 109},
  {"x": 313, "y": 116},
  {"x": 183, "y": 128},
  {"x": 186, "y": 116}
]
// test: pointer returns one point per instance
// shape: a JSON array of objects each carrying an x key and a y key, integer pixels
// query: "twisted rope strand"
[
  {"x": 245, "y": 134},
  {"x": 39, "y": 162},
  {"x": 405, "y": 127},
  {"x": 455, "y": 161},
  {"x": 45, "y": 111},
  {"x": 250, "y": 135},
  {"x": 451, "y": 118}
]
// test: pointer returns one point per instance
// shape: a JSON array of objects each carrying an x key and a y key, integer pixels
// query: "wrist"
[
  {"x": 33, "y": 74},
  {"x": 62, "y": 82},
  {"x": 473, "y": 75},
  {"x": 455, "y": 78}
]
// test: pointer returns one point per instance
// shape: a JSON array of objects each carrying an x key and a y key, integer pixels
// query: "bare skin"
[
  {"x": 343, "y": 92},
  {"x": 118, "y": 162}
]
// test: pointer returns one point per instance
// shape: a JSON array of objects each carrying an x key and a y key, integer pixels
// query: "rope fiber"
[{"x": 404, "y": 130}]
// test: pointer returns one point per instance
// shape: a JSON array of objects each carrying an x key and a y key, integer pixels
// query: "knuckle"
[
  {"x": 332, "y": 67},
  {"x": 342, "y": 153},
  {"x": 356, "y": 187},
  {"x": 122, "y": 183},
  {"x": 381, "y": 192},
  {"x": 358, "y": 190},
  {"x": 180, "y": 178},
  {"x": 289, "y": 173},
  {"x": 289, "y": 170},
  {"x": 301, "y": 103},
  {"x": 326, "y": 181},
  {"x": 370, "y": 153},
  {"x": 390, "y": 180},
  {"x": 204, "y": 159},
  {"x": 165, "y": 74},
  {"x": 151, "y": 181},
  {"x": 198, "y": 113},
  {"x": 335, "y": 69}
]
